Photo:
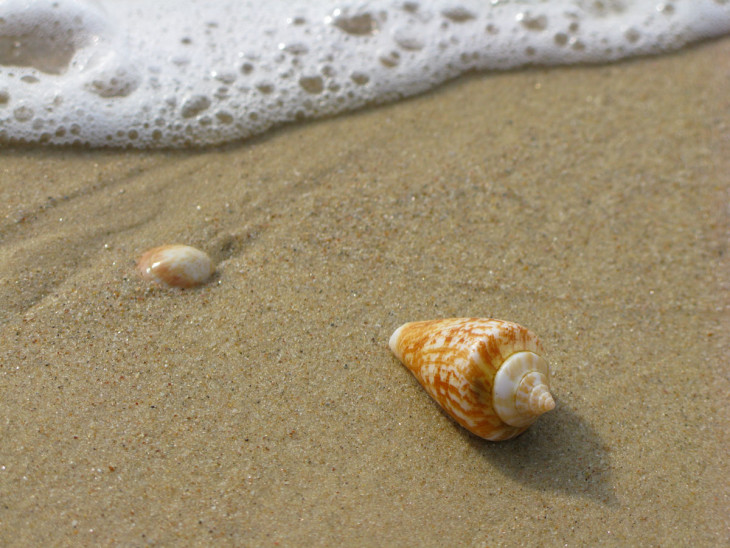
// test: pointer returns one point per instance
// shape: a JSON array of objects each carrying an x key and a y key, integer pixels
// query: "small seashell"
[
  {"x": 487, "y": 374},
  {"x": 175, "y": 266}
]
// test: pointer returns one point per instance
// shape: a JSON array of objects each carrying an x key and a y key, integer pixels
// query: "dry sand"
[{"x": 589, "y": 204}]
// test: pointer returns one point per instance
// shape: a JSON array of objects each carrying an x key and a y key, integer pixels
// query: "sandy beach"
[{"x": 589, "y": 204}]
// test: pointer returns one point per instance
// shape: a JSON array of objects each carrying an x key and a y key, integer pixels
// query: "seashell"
[
  {"x": 487, "y": 374},
  {"x": 175, "y": 266}
]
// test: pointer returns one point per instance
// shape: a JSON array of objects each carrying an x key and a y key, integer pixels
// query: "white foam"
[{"x": 184, "y": 72}]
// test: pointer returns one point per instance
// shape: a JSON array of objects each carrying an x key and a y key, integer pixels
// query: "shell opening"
[{"x": 522, "y": 389}]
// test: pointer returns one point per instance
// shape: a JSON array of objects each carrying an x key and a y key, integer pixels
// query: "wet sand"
[{"x": 589, "y": 204}]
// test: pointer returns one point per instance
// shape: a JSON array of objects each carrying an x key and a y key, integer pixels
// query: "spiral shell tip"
[{"x": 541, "y": 400}]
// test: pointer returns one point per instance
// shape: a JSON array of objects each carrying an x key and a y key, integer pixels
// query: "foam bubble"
[{"x": 186, "y": 73}]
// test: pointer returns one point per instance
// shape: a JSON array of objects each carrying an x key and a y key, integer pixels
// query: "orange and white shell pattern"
[
  {"x": 175, "y": 266},
  {"x": 458, "y": 362}
]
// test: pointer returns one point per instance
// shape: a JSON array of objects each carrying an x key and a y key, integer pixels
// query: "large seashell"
[
  {"x": 487, "y": 374},
  {"x": 175, "y": 266}
]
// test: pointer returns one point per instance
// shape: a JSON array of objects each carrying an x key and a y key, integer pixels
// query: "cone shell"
[
  {"x": 458, "y": 362},
  {"x": 175, "y": 266}
]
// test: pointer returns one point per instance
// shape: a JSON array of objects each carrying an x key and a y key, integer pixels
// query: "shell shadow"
[{"x": 560, "y": 452}]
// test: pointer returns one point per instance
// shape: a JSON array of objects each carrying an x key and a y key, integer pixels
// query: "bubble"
[
  {"x": 561, "y": 38},
  {"x": 194, "y": 106},
  {"x": 532, "y": 22},
  {"x": 224, "y": 117},
  {"x": 389, "y": 59},
  {"x": 357, "y": 24},
  {"x": 311, "y": 84},
  {"x": 410, "y": 7},
  {"x": 458, "y": 14},
  {"x": 360, "y": 78},
  {"x": 408, "y": 38},
  {"x": 113, "y": 82},
  {"x": 602, "y": 8},
  {"x": 4, "y": 97},
  {"x": 265, "y": 87},
  {"x": 632, "y": 35},
  {"x": 23, "y": 114},
  {"x": 49, "y": 54},
  {"x": 47, "y": 35},
  {"x": 225, "y": 77},
  {"x": 296, "y": 48}
]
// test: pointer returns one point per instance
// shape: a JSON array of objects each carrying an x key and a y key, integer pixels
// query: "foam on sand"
[{"x": 168, "y": 73}]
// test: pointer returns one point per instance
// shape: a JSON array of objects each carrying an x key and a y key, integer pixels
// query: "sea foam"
[{"x": 169, "y": 73}]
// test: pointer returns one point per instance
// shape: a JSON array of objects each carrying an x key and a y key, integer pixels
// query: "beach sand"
[{"x": 589, "y": 204}]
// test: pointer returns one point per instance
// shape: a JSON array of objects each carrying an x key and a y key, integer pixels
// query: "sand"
[{"x": 589, "y": 204}]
